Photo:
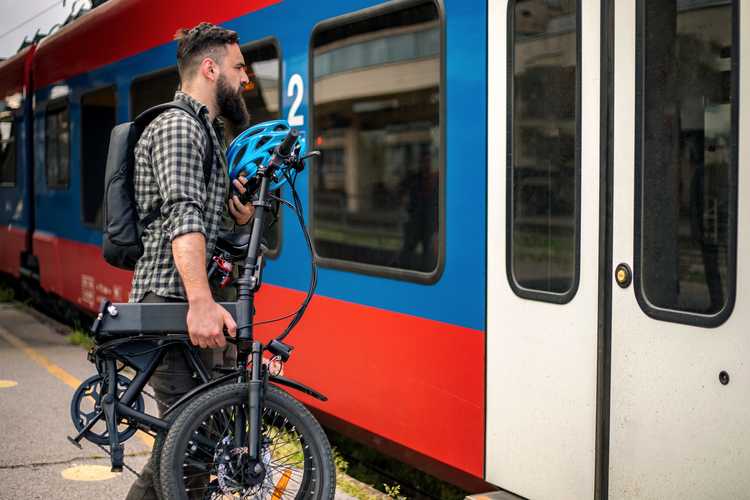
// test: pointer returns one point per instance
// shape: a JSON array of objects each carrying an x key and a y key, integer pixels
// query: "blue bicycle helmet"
[{"x": 255, "y": 146}]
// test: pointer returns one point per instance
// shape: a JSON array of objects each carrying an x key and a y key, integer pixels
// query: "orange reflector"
[{"x": 281, "y": 485}]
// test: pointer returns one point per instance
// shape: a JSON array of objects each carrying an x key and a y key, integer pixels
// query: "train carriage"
[
  {"x": 526, "y": 216},
  {"x": 16, "y": 207}
]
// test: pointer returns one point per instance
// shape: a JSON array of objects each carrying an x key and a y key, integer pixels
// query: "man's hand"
[
  {"x": 240, "y": 213},
  {"x": 206, "y": 321}
]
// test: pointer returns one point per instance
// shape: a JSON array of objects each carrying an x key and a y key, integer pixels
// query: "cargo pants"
[{"x": 172, "y": 379}]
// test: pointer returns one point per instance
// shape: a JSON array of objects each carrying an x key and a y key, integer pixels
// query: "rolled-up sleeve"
[{"x": 177, "y": 159}]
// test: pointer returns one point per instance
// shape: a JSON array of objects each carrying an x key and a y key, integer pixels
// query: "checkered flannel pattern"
[{"x": 169, "y": 175}]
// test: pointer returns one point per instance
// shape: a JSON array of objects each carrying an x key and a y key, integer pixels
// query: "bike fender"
[
  {"x": 229, "y": 377},
  {"x": 298, "y": 386}
]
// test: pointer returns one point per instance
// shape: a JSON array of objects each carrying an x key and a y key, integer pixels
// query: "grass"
[
  {"x": 350, "y": 486},
  {"x": 376, "y": 476},
  {"x": 81, "y": 338},
  {"x": 290, "y": 451},
  {"x": 6, "y": 294}
]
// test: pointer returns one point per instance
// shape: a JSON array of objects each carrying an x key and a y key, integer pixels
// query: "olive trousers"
[{"x": 172, "y": 379}]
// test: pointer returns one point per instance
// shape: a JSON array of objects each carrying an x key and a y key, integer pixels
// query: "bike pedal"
[
  {"x": 75, "y": 443},
  {"x": 118, "y": 455}
]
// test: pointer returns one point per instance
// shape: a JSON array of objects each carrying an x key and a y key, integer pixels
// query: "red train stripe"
[
  {"x": 14, "y": 242},
  {"x": 400, "y": 378},
  {"x": 410, "y": 380}
]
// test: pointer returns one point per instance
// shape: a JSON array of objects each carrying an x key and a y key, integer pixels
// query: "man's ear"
[{"x": 209, "y": 69}]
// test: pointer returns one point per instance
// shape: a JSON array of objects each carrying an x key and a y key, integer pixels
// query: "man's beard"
[{"x": 231, "y": 104}]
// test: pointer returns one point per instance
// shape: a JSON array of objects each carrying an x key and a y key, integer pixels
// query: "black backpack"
[{"x": 121, "y": 239}]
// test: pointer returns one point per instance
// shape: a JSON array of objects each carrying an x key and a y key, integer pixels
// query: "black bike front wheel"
[{"x": 205, "y": 454}]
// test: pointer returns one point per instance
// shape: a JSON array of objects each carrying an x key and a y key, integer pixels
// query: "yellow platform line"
[{"x": 55, "y": 370}]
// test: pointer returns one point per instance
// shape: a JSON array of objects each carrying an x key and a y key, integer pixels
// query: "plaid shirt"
[{"x": 169, "y": 174}]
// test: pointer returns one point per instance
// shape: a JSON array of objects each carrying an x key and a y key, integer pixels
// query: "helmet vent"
[{"x": 239, "y": 155}]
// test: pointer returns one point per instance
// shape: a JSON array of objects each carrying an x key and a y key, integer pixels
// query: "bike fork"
[{"x": 255, "y": 407}]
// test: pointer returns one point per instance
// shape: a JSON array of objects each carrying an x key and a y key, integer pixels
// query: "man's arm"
[
  {"x": 206, "y": 319},
  {"x": 189, "y": 251},
  {"x": 179, "y": 146}
]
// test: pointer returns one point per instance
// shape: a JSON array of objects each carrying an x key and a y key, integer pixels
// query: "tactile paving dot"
[{"x": 88, "y": 473}]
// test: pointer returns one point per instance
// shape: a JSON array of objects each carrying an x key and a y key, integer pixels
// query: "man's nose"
[{"x": 245, "y": 79}]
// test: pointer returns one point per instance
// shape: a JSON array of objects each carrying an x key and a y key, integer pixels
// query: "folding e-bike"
[{"x": 236, "y": 436}]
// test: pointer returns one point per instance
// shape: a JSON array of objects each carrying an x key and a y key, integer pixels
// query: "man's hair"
[{"x": 204, "y": 40}]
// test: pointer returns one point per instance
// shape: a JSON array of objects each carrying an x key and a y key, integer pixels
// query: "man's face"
[{"x": 229, "y": 86}]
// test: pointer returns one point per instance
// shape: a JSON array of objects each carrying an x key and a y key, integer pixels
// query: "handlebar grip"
[{"x": 285, "y": 148}]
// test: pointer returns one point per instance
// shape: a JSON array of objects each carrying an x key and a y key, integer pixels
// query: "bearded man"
[{"x": 169, "y": 175}]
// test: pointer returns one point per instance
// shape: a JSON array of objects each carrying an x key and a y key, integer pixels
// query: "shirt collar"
[{"x": 198, "y": 107}]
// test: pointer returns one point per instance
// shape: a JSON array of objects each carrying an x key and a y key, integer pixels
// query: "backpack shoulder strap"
[{"x": 142, "y": 121}]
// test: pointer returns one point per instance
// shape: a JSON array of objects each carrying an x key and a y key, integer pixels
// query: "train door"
[
  {"x": 543, "y": 246},
  {"x": 680, "y": 407}
]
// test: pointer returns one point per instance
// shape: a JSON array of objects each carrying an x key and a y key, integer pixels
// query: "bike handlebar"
[{"x": 285, "y": 148}]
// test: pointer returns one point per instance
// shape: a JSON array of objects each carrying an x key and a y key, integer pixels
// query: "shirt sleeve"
[{"x": 179, "y": 144}]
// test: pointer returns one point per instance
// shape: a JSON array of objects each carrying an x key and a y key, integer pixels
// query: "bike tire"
[
  {"x": 286, "y": 423},
  {"x": 161, "y": 437}
]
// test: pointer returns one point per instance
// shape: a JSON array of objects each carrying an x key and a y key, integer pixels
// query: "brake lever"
[
  {"x": 310, "y": 154},
  {"x": 299, "y": 164}
]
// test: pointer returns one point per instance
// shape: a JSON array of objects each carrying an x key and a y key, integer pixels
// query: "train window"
[
  {"x": 148, "y": 91},
  {"x": 687, "y": 164},
  {"x": 57, "y": 146},
  {"x": 376, "y": 191},
  {"x": 262, "y": 97},
  {"x": 7, "y": 150},
  {"x": 98, "y": 117},
  {"x": 543, "y": 173},
  {"x": 262, "y": 94}
]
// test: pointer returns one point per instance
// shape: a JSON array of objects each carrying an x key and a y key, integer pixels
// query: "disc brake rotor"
[{"x": 234, "y": 472}]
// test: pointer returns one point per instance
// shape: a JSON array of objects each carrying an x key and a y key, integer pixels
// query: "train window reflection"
[
  {"x": 7, "y": 150},
  {"x": 57, "y": 146},
  {"x": 262, "y": 97},
  {"x": 544, "y": 166},
  {"x": 97, "y": 120},
  {"x": 688, "y": 164},
  {"x": 376, "y": 98},
  {"x": 262, "y": 93},
  {"x": 151, "y": 90}
]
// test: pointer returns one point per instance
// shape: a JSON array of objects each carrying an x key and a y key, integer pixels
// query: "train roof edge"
[
  {"x": 15, "y": 72},
  {"x": 108, "y": 33}
]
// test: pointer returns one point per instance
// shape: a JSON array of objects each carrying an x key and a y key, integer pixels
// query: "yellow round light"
[{"x": 621, "y": 275}]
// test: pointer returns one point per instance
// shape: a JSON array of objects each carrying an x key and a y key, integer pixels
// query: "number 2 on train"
[{"x": 296, "y": 89}]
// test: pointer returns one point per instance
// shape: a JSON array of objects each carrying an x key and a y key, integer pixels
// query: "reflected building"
[
  {"x": 687, "y": 163},
  {"x": 543, "y": 145},
  {"x": 685, "y": 139},
  {"x": 376, "y": 121}
]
